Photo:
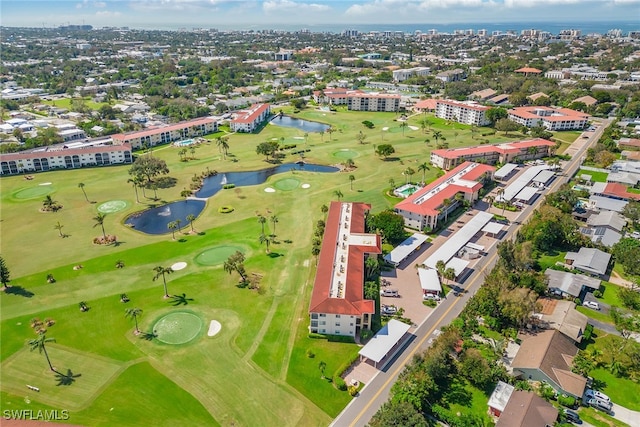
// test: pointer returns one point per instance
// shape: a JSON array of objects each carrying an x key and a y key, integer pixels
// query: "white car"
[
  {"x": 431, "y": 296},
  {"x": 389, "y": 309},
  {"x": 592, "y": 304},
  {"x": 389, "y": 293},
  {"x": 595, "y": 394}
]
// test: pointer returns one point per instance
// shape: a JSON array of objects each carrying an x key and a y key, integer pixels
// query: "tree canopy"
[
  {"x": 148, "y": 167},
  {"x": 389, "y": 223}
]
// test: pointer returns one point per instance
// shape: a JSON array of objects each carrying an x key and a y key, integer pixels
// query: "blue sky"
[{"x": 244, "y": 14}]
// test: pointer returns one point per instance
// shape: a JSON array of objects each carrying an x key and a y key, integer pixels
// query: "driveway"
[{"x": 626, "y": 415}]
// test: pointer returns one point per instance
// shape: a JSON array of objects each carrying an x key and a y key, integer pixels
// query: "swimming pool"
[
  {"x": 406, "y": 190},
  {"x": 184, "y": 142}
]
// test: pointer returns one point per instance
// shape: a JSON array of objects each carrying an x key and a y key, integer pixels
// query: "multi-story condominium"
[
  {"x": 64, "y": 156},
  {"x": 165, "y": 134},
  {"x": 424, "y": 208},
  {"x": 338, "y": 305},
  {"x": 501, "y": 153},
  {"x": 405, "y": 73},
  {"x": 553, "y": 119},
  {"x": 334, "y": 96},
  {"x": 451, "y": 75},
  {"x": 373, "y": 102},
  {"x": 462, "y": 112},
  {"x": 249, "y": 120}
]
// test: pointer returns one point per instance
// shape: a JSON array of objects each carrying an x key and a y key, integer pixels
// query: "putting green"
[
  {"x": 286, "y": 184},
  {"x": 33, "y": 192},
  {"x": 112, "y": 206},
  {"x": 217, "y": 255},
  {"x": 345, "y": 154},
  {"x": 178, "y": 327}
]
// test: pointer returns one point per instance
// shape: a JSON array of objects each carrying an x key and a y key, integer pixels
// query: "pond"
[
  {"x": 304, "y": 125},
  {"x": 155, "y": 220}
]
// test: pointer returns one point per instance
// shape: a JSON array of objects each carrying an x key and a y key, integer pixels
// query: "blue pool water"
[
  {"x": 184, "y": 143},
  {"x": 155, "y": 221},
  {"x": 304, "y": 125}
]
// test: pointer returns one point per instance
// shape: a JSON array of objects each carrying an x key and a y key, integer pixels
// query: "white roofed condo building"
[
  {"x": 553, "y": 119},
  {"x": 249, "y": 120},
  {"x": 166, "y": 134},
  {"x": 492, "y": 154},
  {"x": 424, "y": 208},
  {"x": 68, "y": 156},
  {"x": 406, "y": 73},
  {"x": 468, "y": 113},
  {"x": 373, "y": 102}
]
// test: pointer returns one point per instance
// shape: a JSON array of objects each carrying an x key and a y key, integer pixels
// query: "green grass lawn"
[
  {"x": 464, "y": 398},
  {"x": 66, "y": 103},
  {"x": 618, "y": 389},
  {"x": 599, "y": 419},
  {"x": 595, "y": 314},
  {"x": 610, "y": 294},
  {"x": 595, "y": 176},
  {"x": 547, "y": 260},
  {"x": 256, "y": 371}
]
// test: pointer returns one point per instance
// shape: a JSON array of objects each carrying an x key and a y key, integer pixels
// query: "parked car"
[
  {"x": 595, "y": 394},
  {"x": 600, "y": 405},
  {"x": 431, "y": 296},
  {"x": 389, "y": 293},
  {"x": 389, "y": 309},
  {"x": 592, "y": 304},
  {"x": 572, "y": 416}
]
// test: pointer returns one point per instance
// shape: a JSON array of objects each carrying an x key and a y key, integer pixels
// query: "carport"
[
  {"x": 385, "y": 344},
  {"x": 429, "y": 281},
  {"x": 405, "y": 249},
  {"x": 526, "y": 195}
]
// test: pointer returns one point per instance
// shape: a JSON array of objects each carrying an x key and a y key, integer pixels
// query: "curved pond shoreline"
[
  {"x": 302, "y": 124},
  {"x": 156, "y": 220}
]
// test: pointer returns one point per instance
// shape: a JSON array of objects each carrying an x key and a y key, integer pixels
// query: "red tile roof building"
[
  {"x": 165, "y": 134},
  {"x": 61, "y": 157},
  {"x": 553, "y": 119},
  {"x": 424, "y": 208},
  {"x": 249, "y": 120},
  {"x": 338, "y": 305},
  {"x": 492, "y": 154},
  {"x": 619, "y": 191},
  {"x": 528, "y": 70},
  {"x": 468, "y": 113}
]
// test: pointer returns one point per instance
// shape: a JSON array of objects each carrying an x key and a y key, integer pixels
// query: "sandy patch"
[
  {"x": 214, "y": 328},
  {"x": 298, "y": 137},
  {"x": 385, "y": 128},
  {"x": 269, "y": 190},
  {"x": 179, "y": 266},
  {"x": 45, "y": 183},
  {"x": 305, "y": 185},
  {"x": 413, "y": 127}
]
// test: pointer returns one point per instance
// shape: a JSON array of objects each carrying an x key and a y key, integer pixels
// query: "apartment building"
[
  {"x": 405, "y": 73},
  {"x": 338, "y": 305},
  {"x": 424, "y": 208},
  {"x": 468, "y": 113},
  {"x": 64, "y": 156},
  {"x": 491, "y": 154},
  {"x": 166, "y": 134},
  {"x": 249, "y": 120},
  {"x": 373, "y": 102},
  {"x": 553, "y": 119}
]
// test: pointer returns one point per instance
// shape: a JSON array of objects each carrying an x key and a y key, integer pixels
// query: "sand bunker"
[
  {"x": 214, "y": 328},
  {"x": 385, "y": 128},
  {"x": 269, "y": 190},
  {"x": 413, "y": 128},
  {"x": 45, "y": 183},
  {"x": 179, "y": 266},
  {"x": 305, "y": 185}
]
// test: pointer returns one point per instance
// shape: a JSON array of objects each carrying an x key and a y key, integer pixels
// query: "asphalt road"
[{"x": 374, "y": 394}]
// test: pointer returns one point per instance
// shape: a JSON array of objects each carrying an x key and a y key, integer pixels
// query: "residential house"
[
  {"x": 589, "y": 260},
  {"x": 587, "y": 100},
  {"x": 424, "y": 208},
  {"x": 165, "y": 134},
  {"x": 629, "y": 143},
  {"x": 605, "y": 228},
  {"x": 548, "y": 357},
  {"x": 527, "y": 409},
  {"x": 451, "y": 75},
  {"x": 562, "y": 316},
  {"x": 553, "y": 119},
  {"x": 528, "y": 71},
  {"x": 492, "y": 154},
  {"x": 482, "y": 95},
  {"x": 468, "y": 113},
  {"x": 64, "y": 156},
  {"x": 249, "y": 120},
  {"x": 570, "y": 285},
  {"x": 338, "y": 305}
]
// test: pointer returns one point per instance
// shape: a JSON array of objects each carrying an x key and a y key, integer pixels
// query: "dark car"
[{"x": 572, "y": 416}]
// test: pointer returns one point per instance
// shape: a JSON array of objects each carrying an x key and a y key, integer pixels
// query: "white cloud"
[
  {"x": 99, "y": 4},
  {"x": 107, "y": 14},
  {"x": 540, "y": 3},
  {"x": 175, "y": 4},
  {"x": 288, "y": 6}
]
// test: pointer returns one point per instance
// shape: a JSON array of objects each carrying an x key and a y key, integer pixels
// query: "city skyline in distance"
[{"x": 317, "y": 15}]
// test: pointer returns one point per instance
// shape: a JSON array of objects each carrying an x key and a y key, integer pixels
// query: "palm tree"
[
  {"x": 49, "y": 204},
  {"x": 133, "y": 313},
  {"x": 403, "y": 126},
  {"x": 161, "y": 272},
  {"x": 408, "y": 172},
  {"x": 274, "y": 221},
  {"x": 424, "y": 167},
  {"x": 500, "y": 193},
  {"x": 262, "y": 220},
  {"x": 59, "y": 227},
  {"x": 81, "y": 186},
  {"x": 392, "y": 183},
  {"x": 135, "y": 181},
  {"x": 361, "y": 137},
  {"x": 191, "y": 218},
  {"x": 324, "y": 209},
  {"x": 490, "y": 199},
  {"x": 266, "y": 240},
  {"x": 321, "y": 136},
  {"x": 178, "y": 222},
  {"x": 223, "y": 145},
  {"x": 182, "y": 152},
  {"x": 172, "y": 226},
  {"x": 351, "y": 179},
  {"x": 99, "y": 219},
  {"x": 440, "y": 268},
  {"x": 40, "y": 344},
  {"x": 437, "y": 135},
  {"x": 338, "y": 194},
  {"x": 449, "y": 274},
  {"x": 330, "y": 131}
]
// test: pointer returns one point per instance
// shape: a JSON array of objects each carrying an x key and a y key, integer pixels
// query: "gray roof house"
[
  {"x": 602, "y": 235},
  {"x": 566, "y": 319},
  {"x": 610, "y": 219},
  {"x": 589, "y": 260},
  {"x": 569, "y": 284}
]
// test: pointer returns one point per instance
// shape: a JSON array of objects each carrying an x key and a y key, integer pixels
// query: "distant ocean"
[{"x": 551, "y": 27}]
